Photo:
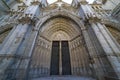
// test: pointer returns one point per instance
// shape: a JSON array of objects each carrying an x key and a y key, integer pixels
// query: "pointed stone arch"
[
  {"x": 62, "y": 14},
  {"x": 78, "y": 51},
  {"x": 60, "y": 24}
]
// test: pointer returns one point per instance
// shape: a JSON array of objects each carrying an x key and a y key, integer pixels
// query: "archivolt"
[
  {"x": 62, "y": 25},
  {"x": 63, "y": 14},
  {"x": 64, "y": 22}
]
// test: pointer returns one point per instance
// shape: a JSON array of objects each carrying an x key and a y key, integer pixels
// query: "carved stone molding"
[
  {"x": 35, "y": 3},
  {"x": 24, "y": 20}
]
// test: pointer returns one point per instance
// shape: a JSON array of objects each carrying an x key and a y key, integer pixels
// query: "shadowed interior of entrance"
[{"x": 60, "y": 58}]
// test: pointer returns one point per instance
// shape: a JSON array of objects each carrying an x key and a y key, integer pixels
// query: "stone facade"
[
  {"x": 109, "y": 4},
  {"x": 27, "y": 35}
]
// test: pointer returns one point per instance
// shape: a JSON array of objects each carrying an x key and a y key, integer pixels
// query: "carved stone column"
[{"x": 9, "y": 49}]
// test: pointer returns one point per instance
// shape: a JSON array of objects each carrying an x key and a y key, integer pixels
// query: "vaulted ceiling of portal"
[{"x": 60, "y": 29}]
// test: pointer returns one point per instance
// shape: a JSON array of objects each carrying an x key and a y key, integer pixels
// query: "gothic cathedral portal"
[
  {"x": 59, "y": 41},
  {"x": 60, "y": 49}
]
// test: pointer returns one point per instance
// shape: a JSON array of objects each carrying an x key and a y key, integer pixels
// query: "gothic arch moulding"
[
  {"x": 63, "y": 14},
  {"x": 67, "y": 28},
  {"x": 63, "y": 25}
]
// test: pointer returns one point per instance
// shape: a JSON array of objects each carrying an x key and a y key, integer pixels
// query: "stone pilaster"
[{"x": 10, "y": 47}]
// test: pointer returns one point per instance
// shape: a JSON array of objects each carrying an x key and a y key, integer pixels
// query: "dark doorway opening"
[
  {"x": 60, "y": 47},
  {"x": 66, "y": 66},
  {"x": 54, "y": 68}
]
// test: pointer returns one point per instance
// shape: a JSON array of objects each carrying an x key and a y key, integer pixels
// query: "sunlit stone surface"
[{"x": 76, "y": 40}]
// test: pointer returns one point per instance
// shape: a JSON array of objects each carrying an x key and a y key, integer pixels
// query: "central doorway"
[
  {"x": 60, "y": 58},
  {"x": 60, "y": 50}
]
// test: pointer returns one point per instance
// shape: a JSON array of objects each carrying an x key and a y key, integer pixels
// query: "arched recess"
[{"x": 59, "y": 28}]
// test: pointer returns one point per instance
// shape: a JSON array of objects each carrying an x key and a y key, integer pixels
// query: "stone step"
[{"x": 64, "y": 78}]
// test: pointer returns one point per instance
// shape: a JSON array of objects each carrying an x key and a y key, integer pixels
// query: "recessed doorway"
[{"x": 60, "y": 58}]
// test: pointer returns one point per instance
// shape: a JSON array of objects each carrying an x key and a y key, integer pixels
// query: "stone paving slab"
[{"x": 64, "y": 78}]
